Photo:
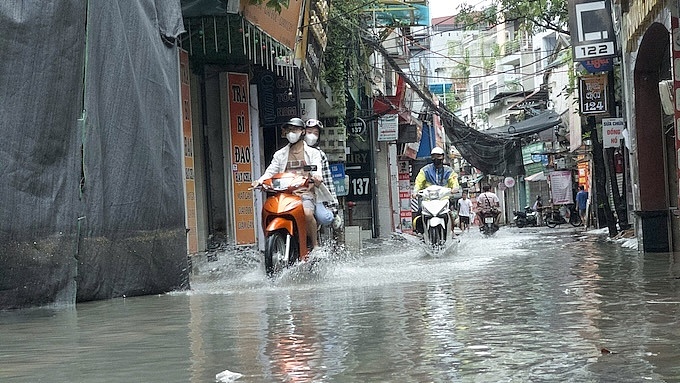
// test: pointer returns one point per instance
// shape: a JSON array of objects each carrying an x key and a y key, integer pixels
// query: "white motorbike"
[{"x": 437, "y": 218}]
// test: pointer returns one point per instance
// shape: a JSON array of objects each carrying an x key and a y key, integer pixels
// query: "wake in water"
[{"x": 380, "y": 262}]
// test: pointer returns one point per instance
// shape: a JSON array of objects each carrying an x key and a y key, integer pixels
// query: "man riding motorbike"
[
  {"x": 292, "y": 158},
  {"x": 435, "y": 173},
  {"x": 488, "y": 202}
]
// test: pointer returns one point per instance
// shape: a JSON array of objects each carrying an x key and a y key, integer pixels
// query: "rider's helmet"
[
  {"x": 297, "y": 122},
  {"x": 314, "y": 123},
  {"x": 437, "y": 155},
  {"x": 437, "y": 150}
]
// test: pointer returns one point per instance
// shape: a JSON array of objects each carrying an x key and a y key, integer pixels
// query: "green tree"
[
  {"x": 340, "y": 63},
  {"x": 532, "y": 15},
  {"x": 452, "y": 101},
  {"x": 276, "y": 4}
]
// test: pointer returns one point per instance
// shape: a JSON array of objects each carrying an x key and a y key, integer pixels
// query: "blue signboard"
[
  {"x": 599, "y": 65},
  {"x": 440, "y": 88},
  {"x": 338, "y": 174}
]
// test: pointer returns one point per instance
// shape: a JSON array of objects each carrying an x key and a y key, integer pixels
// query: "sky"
[{"x": 439, "y": 8}]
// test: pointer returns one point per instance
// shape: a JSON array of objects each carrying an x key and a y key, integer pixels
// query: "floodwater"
[{"x": 527, "y": 305}]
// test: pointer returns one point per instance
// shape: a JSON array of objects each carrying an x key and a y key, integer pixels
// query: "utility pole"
[
  {"x": 604, "y": 211},
  {"x": 619, "y": 200}
]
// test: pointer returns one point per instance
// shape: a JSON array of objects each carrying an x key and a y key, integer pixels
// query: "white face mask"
[
  {"x": 311, "y": 139},
  {"x": 293, "y": 137}
]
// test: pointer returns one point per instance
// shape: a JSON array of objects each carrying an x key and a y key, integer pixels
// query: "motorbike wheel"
[
  {"x": 520, "y": 222},
  {"x": 575, "y": 219},
  {"x": 275, "y": 253},
  {"x": 552, "y": 221},
  {"x": 435, "y": 236}
]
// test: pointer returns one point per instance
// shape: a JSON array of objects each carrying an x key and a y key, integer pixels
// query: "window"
[
  {"x": 493, "y": 90},
  {"x": 477, "y": 92},
  {"x": 390, "y": 89},
  {"x": 538, "y": 60}
]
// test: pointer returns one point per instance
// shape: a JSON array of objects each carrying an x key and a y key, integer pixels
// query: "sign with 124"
[{"x": 594, "y": 94}]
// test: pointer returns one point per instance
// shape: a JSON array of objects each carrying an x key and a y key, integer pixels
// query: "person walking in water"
[
  {"x": 464, "y": 211},
  {"x": 582, "y": 203}
]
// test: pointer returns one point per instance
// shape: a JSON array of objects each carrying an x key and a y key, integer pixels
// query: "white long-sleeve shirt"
[{"x": 280, "y": 161}]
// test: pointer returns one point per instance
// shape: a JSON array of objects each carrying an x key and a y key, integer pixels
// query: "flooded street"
[{"x": 528, "y": 305}]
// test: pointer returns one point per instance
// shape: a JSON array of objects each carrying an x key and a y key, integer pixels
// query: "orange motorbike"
[{"x": 283, "y": 220}]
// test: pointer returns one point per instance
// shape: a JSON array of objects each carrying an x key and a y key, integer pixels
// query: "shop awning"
[
  {"x": 540, "y": 176},
  {"x": 543, "y": 121}
]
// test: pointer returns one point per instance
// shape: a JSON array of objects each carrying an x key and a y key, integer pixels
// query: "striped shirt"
[{"x": 328, "y": 180}]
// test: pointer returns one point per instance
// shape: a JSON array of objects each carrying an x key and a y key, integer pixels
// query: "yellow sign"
[
  {"x": 239, "y": 123},
  {"x": 283, "y": 26}
]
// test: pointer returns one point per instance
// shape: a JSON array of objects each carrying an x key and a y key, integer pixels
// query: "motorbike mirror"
[{"x": 309, "y": 168}]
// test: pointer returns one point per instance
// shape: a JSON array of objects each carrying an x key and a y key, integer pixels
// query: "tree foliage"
[
  {"x": 532, "y": 15},
  {"x": 340, "y": 56},
  {"x": 275, "y": 4}
]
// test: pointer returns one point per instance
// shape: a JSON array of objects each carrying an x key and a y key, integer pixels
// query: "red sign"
[
  {"x": 241, "y": 177},
  {"x": 187, "y": 130},
  {"x": 405, "y": 222}
]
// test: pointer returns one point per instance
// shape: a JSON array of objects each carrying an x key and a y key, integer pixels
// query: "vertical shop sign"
[
  {"x": 612, "y": 129},
  {"x": 405, "y": 219},
  {"x": 676, "y": 90},
  {"x": 239, "y": 124},
  {"x": 187, "y": 135},
  {"x": 593, "y": 93},
  {"x": 592, "y": 29},
  {"x": 583, "y": 174},
  {"x": 338, "y": 175},
  {"x": 388, "y": 127},
  {"x": 277, "y": 97}
]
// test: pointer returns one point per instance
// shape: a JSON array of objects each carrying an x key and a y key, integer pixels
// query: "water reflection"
[{"x": 525, "y": 305}]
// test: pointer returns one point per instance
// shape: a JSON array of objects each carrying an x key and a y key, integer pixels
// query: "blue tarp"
[{"x": 427, "y": 141}]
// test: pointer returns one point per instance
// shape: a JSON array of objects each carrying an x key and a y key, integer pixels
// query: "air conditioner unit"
[{"x": 666, "y": 95}]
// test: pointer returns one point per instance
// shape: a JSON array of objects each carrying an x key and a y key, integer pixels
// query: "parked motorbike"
[
  {"x": 436, "y": 216},
  {"x": 283, "y": 220},
  {"x": 488, "y": 222},
  {"x": 557, "y": 215},
  {"x": 528, "y": 217}
]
